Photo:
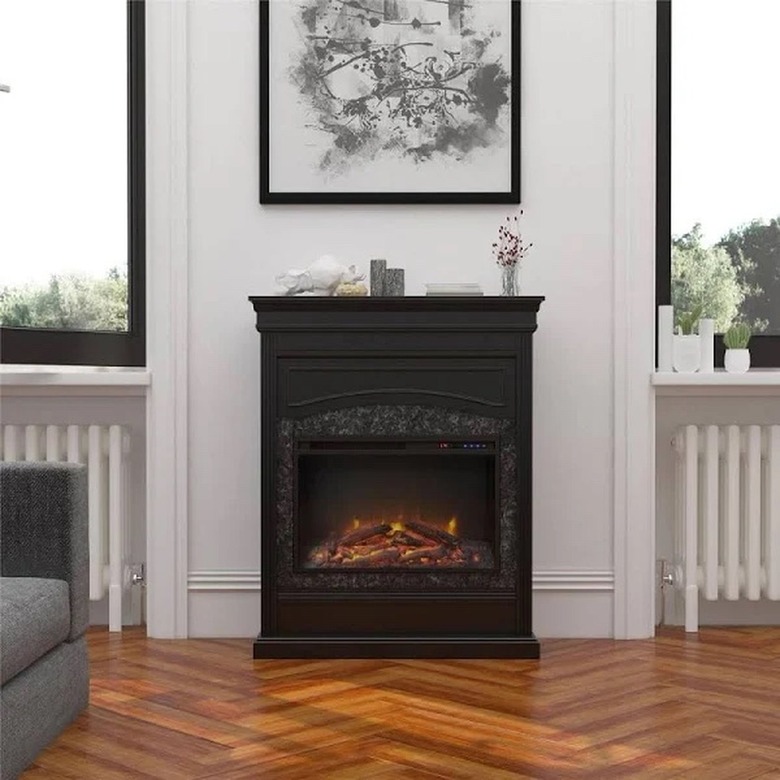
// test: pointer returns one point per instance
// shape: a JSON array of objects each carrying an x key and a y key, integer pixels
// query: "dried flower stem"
[{"x": 509, "y": 250}]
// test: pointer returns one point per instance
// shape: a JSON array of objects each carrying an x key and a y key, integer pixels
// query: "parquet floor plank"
[
  {"x": 711, "y": 757},
  {"x": 677, "y": 706},
  {"x": 442, "y": 764}
]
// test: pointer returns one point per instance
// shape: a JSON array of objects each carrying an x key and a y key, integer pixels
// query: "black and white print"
[{"x": 391, "y": 96}]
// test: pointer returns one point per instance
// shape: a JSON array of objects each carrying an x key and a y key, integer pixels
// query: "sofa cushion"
[{"x": 35, "y": 616}]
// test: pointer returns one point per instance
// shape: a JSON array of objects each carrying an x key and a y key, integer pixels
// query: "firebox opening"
[{"x": 396, "y": 504}]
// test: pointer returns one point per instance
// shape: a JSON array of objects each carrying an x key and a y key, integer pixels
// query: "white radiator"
[
  {"x": 727, "y": 514},
  {"x": 103, "y": 448}
]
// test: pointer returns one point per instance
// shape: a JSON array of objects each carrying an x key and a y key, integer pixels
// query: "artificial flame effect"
[
  {"x": 400, "y": 524},
  {"x": 380, "y": 542}
]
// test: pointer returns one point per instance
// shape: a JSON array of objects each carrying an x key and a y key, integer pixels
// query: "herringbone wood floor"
[{"x": 706, "y": 707}]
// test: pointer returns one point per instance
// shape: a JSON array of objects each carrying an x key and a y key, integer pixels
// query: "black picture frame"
[{"x": 268, "y": 197}]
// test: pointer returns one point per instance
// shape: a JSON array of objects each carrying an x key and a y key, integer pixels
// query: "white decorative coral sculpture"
[{"x": 322, "y": 277}]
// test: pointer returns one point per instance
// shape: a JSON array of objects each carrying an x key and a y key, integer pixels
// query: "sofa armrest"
[{"x": 44, "y": 529}]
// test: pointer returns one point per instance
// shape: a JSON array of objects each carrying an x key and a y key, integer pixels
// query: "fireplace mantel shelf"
[
  {"x": 352, "y": 303},
  {"x": 419, "y": 313}
]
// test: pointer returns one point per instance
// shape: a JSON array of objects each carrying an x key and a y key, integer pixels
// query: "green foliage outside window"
[
  {"x": 68, "y": 302},
  {"x": 705, "y": 278},
  {"x": 736, "y": 279},
  {"x": 755, "y": 250}
]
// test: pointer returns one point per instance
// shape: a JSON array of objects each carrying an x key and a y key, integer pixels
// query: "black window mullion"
[
  {"x": 663, "y": 159},
  {"x": 136, "y": 180}
]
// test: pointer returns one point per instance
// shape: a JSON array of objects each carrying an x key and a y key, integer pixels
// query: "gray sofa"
[{"x": 44, "y": 606}]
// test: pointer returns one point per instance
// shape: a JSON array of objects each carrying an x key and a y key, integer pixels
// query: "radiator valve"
[{"x": 135, "y": 574}]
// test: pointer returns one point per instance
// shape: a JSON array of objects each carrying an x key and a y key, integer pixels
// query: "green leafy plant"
[
  {"x": 687, "y": 320},
  {"x": 705, "y": 275},
  {"x": 737, "y": 336}
]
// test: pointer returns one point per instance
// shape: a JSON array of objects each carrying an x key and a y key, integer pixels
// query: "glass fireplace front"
[{"x": 379, "y": 504}]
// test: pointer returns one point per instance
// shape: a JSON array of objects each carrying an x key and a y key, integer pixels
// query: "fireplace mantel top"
[{"x": 281, "y": 312}]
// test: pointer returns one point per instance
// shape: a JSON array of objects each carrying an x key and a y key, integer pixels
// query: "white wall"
[{"x": 236, "y": 247}]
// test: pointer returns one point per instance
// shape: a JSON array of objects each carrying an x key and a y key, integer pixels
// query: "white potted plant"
[
  {"x": 686, "y": 349},
  {"x": 736, "y": 339}
]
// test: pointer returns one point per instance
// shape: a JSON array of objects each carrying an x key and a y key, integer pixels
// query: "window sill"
[
  {"x": 757, "y": 381},
  {"x": 73, "y": 376}
]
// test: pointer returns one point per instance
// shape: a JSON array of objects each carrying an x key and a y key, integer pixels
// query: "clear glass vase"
[{"x": 509, "y": 280}]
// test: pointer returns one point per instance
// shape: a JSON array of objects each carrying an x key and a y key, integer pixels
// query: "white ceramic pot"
[
  {"x": 737, "y": 361},
  {"x": 686, "y": 354}
]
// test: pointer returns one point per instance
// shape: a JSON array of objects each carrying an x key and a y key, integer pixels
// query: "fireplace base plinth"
[{"x": 526, "y": 647}]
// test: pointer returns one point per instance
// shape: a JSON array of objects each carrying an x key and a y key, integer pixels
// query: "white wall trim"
[
  {"x": 167, "y": 316},
  {"x": 218, "y": 579},
  {"x": 74, "y": 391},
  {"x": 719, "y": 379},
  {"x": 580, "y": 579},
  {"x": 72, "y": 376},
  {"x": 563, "y": 580},
  {"x": 633, "y": 310}
]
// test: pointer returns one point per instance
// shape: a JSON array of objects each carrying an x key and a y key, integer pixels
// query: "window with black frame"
[
  {"x": 72, "y": 188},
  {"x": 718, "y": 198}
]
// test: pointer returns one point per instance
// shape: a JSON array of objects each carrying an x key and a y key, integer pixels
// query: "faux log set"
[{"x": 415, "y": 543}]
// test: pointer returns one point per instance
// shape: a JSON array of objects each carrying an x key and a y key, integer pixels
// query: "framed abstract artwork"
[{"x": 389, "y": 101}]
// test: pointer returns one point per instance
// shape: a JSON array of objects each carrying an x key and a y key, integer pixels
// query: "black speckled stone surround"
[{"x": 398, "y": 421}]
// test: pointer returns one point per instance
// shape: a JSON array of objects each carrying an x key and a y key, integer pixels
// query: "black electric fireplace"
[{"x": 396, "y": 477}]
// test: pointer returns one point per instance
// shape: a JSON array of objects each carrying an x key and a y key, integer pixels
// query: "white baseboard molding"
[
  {"x": 560, "y": 580},
  {"x": 224, "y": 612},
  {"x": 573, "y": 614},
  {"x": 574, "y": 579},
  {"x": 566, "y": 603},
  {"x": 216, "y": 579}
]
